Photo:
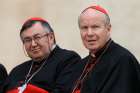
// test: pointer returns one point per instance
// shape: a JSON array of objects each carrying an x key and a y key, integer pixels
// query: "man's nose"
[
  {"x": 90, "y": 32},
  {"x": 33, "y": 42}
]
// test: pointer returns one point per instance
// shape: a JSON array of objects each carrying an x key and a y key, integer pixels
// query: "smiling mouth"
[
  {"x": 91, "y": 41},
  {"x": 35, "y": 50}
]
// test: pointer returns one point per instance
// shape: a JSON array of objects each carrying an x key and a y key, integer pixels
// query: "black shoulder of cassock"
[
  {"x": 66, "y": 69},
  {"x": 118, "y": 71},
  {"x": 3, "y": 76}
]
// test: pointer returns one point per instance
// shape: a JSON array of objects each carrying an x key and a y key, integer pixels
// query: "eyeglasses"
[{"x": 36, "y": 38}]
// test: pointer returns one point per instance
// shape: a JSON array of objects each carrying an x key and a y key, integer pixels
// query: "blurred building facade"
[{"x": 63, "y": 15}]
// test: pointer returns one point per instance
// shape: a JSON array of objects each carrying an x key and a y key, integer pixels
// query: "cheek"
[
  {"x": 27, "y": 48},
  {"x": 45, "y": 46},
  {"x": 83, "y": 36},
  {"x": 103, "y": 38}
]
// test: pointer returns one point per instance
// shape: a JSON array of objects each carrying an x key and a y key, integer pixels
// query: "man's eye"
[
  {"x": 27, "y": 40},
  {"x": 37, "y": 37},
  {"x": 95, "y": 26},
  {"x": 84, "y": 27}
]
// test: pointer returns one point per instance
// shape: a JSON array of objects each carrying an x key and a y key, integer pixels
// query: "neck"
[
  {"x": 38, "y": 60},
  {"x": 92, "y": 54}
]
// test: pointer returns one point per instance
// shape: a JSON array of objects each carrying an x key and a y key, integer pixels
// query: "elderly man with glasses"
[{"x": 50, "y": 70}]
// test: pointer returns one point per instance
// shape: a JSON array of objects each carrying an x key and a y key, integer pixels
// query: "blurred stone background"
[{"x": 62, "y": 15}]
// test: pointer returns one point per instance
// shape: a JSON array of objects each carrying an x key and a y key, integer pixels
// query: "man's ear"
[
  {"x": 52, "y": 37},
  {"x": 109, "y": 27}
]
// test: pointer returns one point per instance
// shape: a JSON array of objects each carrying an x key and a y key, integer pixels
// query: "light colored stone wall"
[{"x": 62, "y": 15}]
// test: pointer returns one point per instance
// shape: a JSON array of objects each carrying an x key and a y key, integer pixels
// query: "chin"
[
  {"x": 37, "y": 58},
  {"x": 92, "y": 49}
]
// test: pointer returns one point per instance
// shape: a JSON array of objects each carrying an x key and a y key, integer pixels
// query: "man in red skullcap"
[
  {"x": 51, "y": 68},
  {"x": 109, "y": 68}
]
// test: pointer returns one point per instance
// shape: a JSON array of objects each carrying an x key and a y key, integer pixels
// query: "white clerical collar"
[{"x": 53, "y": 47}]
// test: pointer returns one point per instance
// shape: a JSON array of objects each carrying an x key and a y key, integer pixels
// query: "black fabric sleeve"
[
  {"x": 67, "y": 74},
  {"x": 116, "y": 76},
  {"x": 3, "y": 76},
  {"x": 125, "y": 77}
]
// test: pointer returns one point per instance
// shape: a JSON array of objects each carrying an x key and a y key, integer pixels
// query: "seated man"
[{"x": 50, "y": 70}]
